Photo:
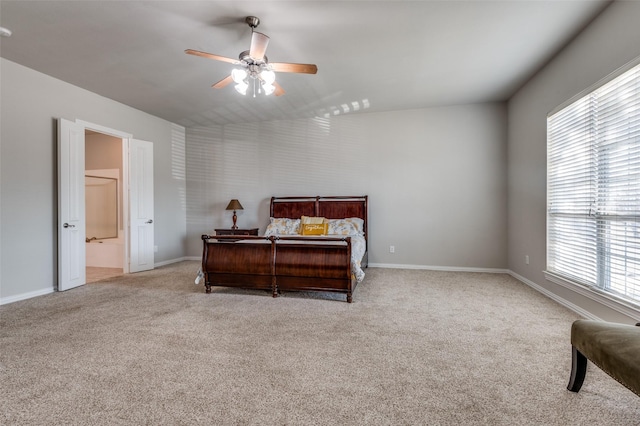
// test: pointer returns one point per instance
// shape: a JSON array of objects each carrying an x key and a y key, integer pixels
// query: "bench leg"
[{"x": 578, "y": 370}]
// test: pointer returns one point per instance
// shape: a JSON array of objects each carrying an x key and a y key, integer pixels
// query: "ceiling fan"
[{"x": 254, "y": 67}]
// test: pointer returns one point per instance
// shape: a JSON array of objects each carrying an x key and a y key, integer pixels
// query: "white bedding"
[{"x": 358, "y": 248}]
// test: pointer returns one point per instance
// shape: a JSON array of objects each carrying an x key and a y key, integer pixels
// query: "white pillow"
[
  {"x": 348, "y": 226},
  {"x": 282, "y": 226}
]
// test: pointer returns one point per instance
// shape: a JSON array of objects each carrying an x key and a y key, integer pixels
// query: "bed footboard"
[
  {"x": 308, "y": 266},
  {"x": 278, "y": 263},
  {"x": 244, "y": 262}
]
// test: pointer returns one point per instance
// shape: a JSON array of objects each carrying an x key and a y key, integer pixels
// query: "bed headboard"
[{"x": 338, "y": 207}]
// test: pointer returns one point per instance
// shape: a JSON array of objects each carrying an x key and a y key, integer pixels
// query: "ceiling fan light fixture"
[
  {"x": 268, "y": 89},
  {"x": 239, "y": 75},
  {"x": 242, "y": 88},
  {"x": 268, "y": 76}
]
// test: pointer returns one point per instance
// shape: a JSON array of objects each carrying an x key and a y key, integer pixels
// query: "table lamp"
[{"x": 234, "y": 205}]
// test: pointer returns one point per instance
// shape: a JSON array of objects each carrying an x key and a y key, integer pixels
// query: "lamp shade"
[{"x": 234, "y": 205}]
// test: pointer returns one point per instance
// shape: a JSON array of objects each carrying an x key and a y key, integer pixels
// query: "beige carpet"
[{"x": 415, "y": 347}]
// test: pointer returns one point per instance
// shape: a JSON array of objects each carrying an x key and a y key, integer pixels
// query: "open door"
[
  {"x": 141, "y": 237},
  {"x": 71, "y": 208}
]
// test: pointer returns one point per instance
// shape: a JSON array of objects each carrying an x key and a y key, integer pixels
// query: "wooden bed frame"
[{"x": 282, "y": 263}]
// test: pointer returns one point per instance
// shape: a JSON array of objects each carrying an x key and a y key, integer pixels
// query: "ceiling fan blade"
[
  {"x": 211, "y": 56},
  {"x": 299, "y": 68},
  {"x": 259, "y": 43},
  {"x": 279, "y": 90},
  {"x": 222, "y": 83}
]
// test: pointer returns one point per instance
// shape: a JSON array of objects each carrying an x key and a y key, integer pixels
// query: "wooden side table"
[{"x": 227, "y": 231}]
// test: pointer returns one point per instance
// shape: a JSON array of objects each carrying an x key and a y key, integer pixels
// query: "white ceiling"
[{"x": 371, "y": 55}]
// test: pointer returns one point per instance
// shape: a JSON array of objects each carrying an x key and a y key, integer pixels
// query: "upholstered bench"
[{"x": 614, "y": 348}]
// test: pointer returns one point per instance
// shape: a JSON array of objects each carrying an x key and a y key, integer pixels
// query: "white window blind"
[{"x": 593, "y": 189}]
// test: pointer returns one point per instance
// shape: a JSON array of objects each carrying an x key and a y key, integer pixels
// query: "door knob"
[
  {"x": 149, "y": 221},
  {"x": 66, "y": 225}
]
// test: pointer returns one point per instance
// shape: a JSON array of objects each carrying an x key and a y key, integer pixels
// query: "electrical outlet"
[
  {"x": 526, "y": 259},
  {"x": 155, "y": 249},
  {"x": 392, "y": 249}
]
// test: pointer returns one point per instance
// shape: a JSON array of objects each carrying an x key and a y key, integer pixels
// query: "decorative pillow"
[
  {"x": 311, "y": 219},
  {"x": 282, "y": 226},
  {"x": 348, "y": 226},
  {"x": 310, "y": 225},
  {"x": 314, "y": 228}
]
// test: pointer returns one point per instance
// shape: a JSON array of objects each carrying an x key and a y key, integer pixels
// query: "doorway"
[
  {"x": 104, "y": 165},
  {"x": 137, "y": 202}
]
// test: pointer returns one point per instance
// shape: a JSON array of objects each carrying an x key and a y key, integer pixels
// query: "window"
[{"x": 593, "y": 189}]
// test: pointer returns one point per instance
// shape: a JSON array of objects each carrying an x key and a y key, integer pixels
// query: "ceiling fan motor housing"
[
  {"x": 246, "y": 58},
  {"x": 252, "y": 21}
]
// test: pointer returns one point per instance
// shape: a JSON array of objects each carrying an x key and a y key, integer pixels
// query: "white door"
[
  {"x": 141, "y": 205},
  {"x": 71, "y": 214}
]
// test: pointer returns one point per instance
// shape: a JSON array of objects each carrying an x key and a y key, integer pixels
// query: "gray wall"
[
  {"x": 436, "y": 179},
  {"x": 611, "y": 41},
  {"x": 30, "y": 104}
]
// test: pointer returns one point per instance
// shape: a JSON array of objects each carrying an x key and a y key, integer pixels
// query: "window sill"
[{"x": 629, "y": 309}]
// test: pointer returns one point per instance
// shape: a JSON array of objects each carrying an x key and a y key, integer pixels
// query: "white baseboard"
[
  {"x": 24, "y": 296},
  {"x": 169, "y": 262},
  {"x": 564, "y": 302},
  {"x": 438, "y": 268},
  {"x": 602, "y": 297}
]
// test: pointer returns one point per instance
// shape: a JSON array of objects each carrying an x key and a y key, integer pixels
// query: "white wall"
[
  {"x": 611, "y": 41},
  {"x": 30, "y": 104},
  {"x": 436, "y": 179}
]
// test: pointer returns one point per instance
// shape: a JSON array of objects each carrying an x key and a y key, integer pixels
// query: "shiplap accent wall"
[{"x": 436, "y": 178}]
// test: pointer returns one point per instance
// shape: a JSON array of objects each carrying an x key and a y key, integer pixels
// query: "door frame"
[{"x": 126, "y": 137}]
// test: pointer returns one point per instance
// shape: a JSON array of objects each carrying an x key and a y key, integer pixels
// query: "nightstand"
[{"x": 251, "y": 231}]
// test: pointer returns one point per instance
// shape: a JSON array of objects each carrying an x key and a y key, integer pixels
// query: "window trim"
[
  {"x": 597, "y": 295},
  {"x": 594, "y": 293}
]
